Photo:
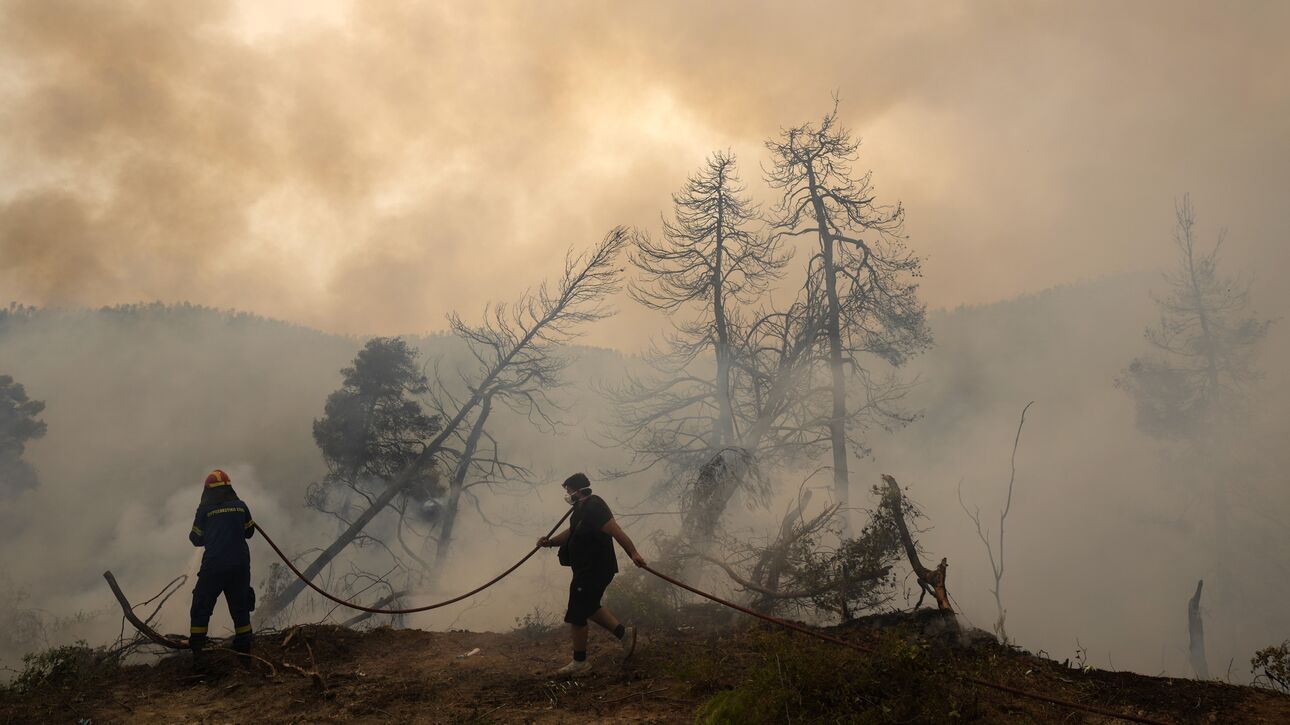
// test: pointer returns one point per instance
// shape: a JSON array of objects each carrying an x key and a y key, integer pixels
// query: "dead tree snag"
[
  {"x": 932, "y": 581},
  {"x": 1196, "y": 635}
]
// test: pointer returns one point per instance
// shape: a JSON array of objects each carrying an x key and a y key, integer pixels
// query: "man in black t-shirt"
[{"x": 588, "y": 547}]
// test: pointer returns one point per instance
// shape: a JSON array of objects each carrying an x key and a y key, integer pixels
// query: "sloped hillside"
[{"x": 328, "y": 674}]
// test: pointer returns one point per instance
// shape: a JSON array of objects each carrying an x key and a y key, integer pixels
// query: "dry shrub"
[{"x": 1271, "y": 667}]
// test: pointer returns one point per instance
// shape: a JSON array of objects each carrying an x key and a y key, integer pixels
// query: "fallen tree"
[
  {"x": 144, "y": 629},
  {"x": 515, "y": 350},
  {"x": 796, "y": 571}
]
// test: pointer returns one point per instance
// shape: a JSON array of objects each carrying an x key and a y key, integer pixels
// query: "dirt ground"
[
  {"x": 378, "y": 676},
  {"x": 413, "y": 676}
]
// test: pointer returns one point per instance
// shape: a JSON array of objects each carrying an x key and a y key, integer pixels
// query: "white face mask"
[{"x": 575, "y": 497}]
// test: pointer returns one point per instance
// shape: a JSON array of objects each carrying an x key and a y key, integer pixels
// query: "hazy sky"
[{"x": 365, "y": 167}]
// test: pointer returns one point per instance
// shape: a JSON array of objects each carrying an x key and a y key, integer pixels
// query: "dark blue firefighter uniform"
[{"x": 223, "y": 528}]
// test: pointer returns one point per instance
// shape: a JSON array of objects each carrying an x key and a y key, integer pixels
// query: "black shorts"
[{"x": 585, "y": 592}]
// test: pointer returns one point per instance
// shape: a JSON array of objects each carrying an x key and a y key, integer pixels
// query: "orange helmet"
[{"x": 217, "y": 478}]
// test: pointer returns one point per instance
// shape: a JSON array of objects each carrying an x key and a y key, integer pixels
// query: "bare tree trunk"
[
  {"x": 383, "y": 601},
  {"x": 1186, "y": 220},
  {"x": 837, "y": 428},
  {"x": 726, "y": 419},
  {"x": 770, "y": 411},
  {"x": 457, "y": 484},
  {"x": 400, "y": 482},
  {"x": 837, "y": 421},
  {"x": 1196, "y": 635},
  {"x": 293, "y": 590},
  {"x": 795, "y": 348},
  {"x": 713, "y": 487}
]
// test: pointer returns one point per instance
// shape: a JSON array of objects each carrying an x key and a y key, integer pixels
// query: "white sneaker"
[
  {"x": 628, "y": 641},
  {"x": 574, "y": 668}
]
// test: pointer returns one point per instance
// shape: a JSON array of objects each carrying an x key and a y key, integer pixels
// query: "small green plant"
[
  {"x": 536, "y": 624},
  {"x": 1271, "y": 667},
  {"x": 56, "y": 666}
]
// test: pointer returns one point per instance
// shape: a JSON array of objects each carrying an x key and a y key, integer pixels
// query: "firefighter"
[
  {"x": 222, "y": 525},
  {"x": 588, "y": 547}
]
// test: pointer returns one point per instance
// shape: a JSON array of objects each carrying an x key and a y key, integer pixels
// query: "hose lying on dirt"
[
  {"x": 869, "y": 650},
  {"x": 161, "y": 640}
]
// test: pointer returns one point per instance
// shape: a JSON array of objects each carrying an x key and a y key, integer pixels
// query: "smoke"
[
  {"x": 144, "y": 401},
  {"x": 1105, "y": 540},
  {"x": 145, "y": 548},
  {"x": 295, "y": 161},
  {"x": 1109, "y": 529}
]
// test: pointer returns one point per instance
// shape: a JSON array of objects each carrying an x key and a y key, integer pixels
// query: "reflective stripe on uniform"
[
  {"x": 244, "y": 629},
  {"x": 197, "y": 630},
  {"x": 249, "y": 524},
  {"x": 197, "y": 531}
]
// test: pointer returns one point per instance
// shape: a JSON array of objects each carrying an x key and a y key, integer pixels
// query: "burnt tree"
[
  {"x": 870, "y": 306},
  {"x": 707, "y": 267},
  {"x": 1195, "y": 378}
]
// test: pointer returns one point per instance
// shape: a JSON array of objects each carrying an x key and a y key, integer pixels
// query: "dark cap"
[{"x": 577, "y": 482}]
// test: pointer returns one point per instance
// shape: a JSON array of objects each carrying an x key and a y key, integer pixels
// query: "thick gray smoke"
[{"x": 353, "y": 168}]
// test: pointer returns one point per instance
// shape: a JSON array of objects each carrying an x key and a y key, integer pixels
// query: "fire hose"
[
  {"x": 409, "y": 610},
  {"x": 869, "y": 650},
  {"x": 785, "y": 624},
  {"x": 164, "y": 641}
]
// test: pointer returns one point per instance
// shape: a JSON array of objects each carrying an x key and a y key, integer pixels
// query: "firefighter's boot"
[
  {"x": 201, "y": 660},
  {"x": 242, "y": 645}
]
